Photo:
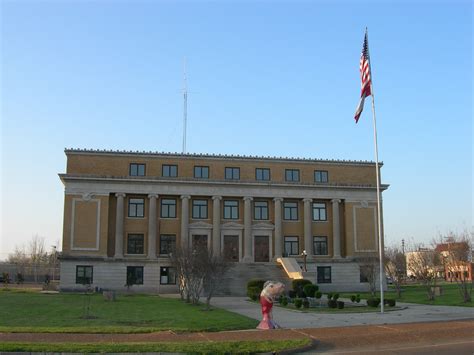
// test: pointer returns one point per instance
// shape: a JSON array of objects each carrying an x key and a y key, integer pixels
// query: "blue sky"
[{"x": 265, "y": 78}]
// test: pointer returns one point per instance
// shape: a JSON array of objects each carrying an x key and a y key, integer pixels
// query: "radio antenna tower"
[{"x": 185, "y": 108}]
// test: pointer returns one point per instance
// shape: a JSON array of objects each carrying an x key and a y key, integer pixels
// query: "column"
[
  {"x": 248, "y": 229},
  {"x": 278, "y": 229},
  {"x": 119, "y": 226},
  {"x": 185, "y": 220},
  {"x": 308, "y": 221},
  {"x": 152, "y": 226},
  {"x": 336, "y": 229},
  {"x": 216, "y": 225}
]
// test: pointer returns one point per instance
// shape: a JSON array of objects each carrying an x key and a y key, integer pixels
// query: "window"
[
  {"x": 135, "y": 244},
  {"x": 324, "y": 274},
  {"x": 167, "y": 243},
  {"x": 232, "y": 173},
  {"x": 200, "y": 209},
  {"x": 134, "y": 275},
  {"x": 167, "y": 275},
  {"x": 320, "y": 245},
  {"x": 137, "y": 169},
  {"x": 292, "y": 246},
  {"x": 136, "y": 207},
  {"x": 260, "y": 210},
  {"x": 84, "y": 275},
  {"x": 231, "y": 209},
  {"x": 292, "y": 175},
  {"x": 319, "y": 211},
  {"x": 363, "y": 276},
  {"x": 169, "y": 171},
  {"x": 201, "y": 172},
  {"x": 168, "y": 208},
  {"x": 320, "y": 176},
  {"x": 262, "y": 174},
  {"x": 199, "y": 241},
  {"x": 290, "y": 211}
]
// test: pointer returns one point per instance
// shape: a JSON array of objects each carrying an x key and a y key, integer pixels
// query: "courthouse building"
[{"x": 124, "y": 213}]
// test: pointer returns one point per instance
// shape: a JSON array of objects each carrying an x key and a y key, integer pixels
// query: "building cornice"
[{"x": 226, "y": 157}]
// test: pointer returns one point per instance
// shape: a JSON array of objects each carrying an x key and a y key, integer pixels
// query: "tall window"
[
  {"x": 200, "y": 209},
  {"x": 168, "y": 208},
  {"x": 262, "y": 174},
  {"x": 231, "y": 209},
  {"x": 292, "y": 175},
  {"x": 324, "y": 274},
  {"x": 135, "y": 244},
  {"x": 260, "y": 210},
  {"x": 290, "y": 210},
  {"x": 137, "y": 169},
  {"x": 167, "y": 275},
  {"x": 319, "y": 211},
  {"x": 232, "y": 173},
  {"x": 167, "y": 243},
  {"x": 134, "y": 275},
  {"x": 169, "y": 171},
  {"x": 320, "y": 245},
  {"x": 201, "y": 172},
  {"x": 136, "y": 207},
  {"x": 292, "y": 246},
  {"x": 320, "y": 176},
  {"x": 84, "y": 274}
]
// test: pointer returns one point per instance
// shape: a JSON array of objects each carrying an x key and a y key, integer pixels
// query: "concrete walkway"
[{"x": 411, "y": 313}]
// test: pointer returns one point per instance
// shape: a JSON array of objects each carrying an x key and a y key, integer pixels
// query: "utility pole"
[{"x": 185, "y": 108}]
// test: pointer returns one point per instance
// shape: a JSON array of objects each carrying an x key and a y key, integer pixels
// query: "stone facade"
[{"x": 123, "y": 209}]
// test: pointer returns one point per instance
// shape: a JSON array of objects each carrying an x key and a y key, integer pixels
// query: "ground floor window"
[
  {"x": 167, "y": 275},
  {"x": 291, "y": 246},
  {"x": 324, "y": 274},
  {"x": 167, "y": 243},
  {"x": 84, "y": 274},
  {"x": 134, "y": 275}
]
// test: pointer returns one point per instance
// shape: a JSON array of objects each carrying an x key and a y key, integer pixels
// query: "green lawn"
[
  {"x": 417, "y": 294},
  {"x": 235, "y": 347},
  {"x": 36, "y": 312}
]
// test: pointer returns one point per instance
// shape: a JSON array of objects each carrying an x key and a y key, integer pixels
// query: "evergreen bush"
[
  {"x": 298, "y": 302},
  {"x": 310, "y": 290},
  {"x": 253, "y": 293},
  {"x": 318, "y": 295},
  {"x": 373, "y": 302},
  {"x": 305, "y": 303},
  {"x": 353, "y": 298},
  {"x": 340, "y": 304}
]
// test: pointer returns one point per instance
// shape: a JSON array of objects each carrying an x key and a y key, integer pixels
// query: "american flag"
[{"x": 365, "y": 77}]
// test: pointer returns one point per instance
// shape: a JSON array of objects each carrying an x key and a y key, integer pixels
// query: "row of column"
[{"x": 216, "y": 223}]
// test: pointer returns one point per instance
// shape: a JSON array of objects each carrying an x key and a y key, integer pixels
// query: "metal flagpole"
[
  {"x": 185, "y": 108},
  {"x": 380, "y": 237}
]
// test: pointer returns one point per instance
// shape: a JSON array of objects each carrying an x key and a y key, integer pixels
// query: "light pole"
[
  {"x": 54, "y": 260},
  {"x": 305, "y": 255}
]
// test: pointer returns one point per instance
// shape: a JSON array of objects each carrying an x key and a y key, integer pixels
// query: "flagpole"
[{"x": 380, "y": 237}]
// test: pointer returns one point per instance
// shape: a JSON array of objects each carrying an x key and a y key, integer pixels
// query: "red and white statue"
[{"x": 271, "y": 290}]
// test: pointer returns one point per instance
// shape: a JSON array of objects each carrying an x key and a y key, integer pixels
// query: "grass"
[
  {"x": 417, "y": 294},
  {"x": 24, "y": 311},
  {"x": 229, "y": 347}
]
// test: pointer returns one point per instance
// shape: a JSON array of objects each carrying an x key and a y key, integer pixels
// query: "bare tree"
[
  {"x": 457, "y": 260},
  {"x": 395, "y": 267},
  {"x": 33, "y": 256},
  {"x": 38, "y": 254},
  {"x": 215, "y": 268},
  {"x": 369, "y": 271},
  {"x": 424, "y": 264}
]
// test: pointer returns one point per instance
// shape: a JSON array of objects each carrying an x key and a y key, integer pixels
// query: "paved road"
[{"x": 296, "y": 319}]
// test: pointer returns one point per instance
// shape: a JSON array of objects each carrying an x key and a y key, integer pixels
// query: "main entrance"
[
  {"x": 261, "y": 248},
  {"x": 199, "y": 241},
  {"x": 231, "y": 248}
]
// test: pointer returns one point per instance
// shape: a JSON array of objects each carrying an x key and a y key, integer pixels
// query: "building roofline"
[{"x": 79, "y": 151}]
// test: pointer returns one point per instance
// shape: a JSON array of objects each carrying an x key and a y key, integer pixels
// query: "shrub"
[
  {"x": 318, "y": 295},
  {"x": 306, "y": 303},
  {"x": 353, "y": 298},
  {"x": 283, "y": 300},
  {"x": 298, "y": 302},
  {"x": 298, "y": 286},
  {"x": 340, "y": 304},
  {"x": 255, "y": 283},
  {"x": 330, "y": 295},
  {"x": 391, "y": 302},
  {"x": 253, "y": 293},
  {"x": 373, "y": 302},
  {"x": 358, "y": 298},
  {"x": 335, "y": 296},
  {"x": 291, "y": 294},
  {"x": 310, "y": 290},
  {"x": 332, "y": 303}
]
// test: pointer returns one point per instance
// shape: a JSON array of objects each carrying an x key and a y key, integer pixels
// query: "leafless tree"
[
  {"x": 34, "y": 256},
  {"x": 395, "y": 267},
  {"x": 215, "y": 268},
  {"x": 369, "y": 271},
  {"x": 425, "y": 264},
  {"x": 456, "y": 254}
]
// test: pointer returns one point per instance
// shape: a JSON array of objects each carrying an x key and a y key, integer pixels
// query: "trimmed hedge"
[
  {"x": 255, "y": 283},
  {"x": 283, "y": 300},
  {"x": 335, "y": 296},
  {"x": 318, "y": 295},
  {"x": 310, "y": 290},
  {"x": 253, "y": 293},
  {"x": 305, "y": 303},
  {"x": 340, "y": 304},
  {"x": 353, "y": 298},
  {"x": 299, "y": 284},
  {"x": 373, "y": 302},
  {"x": 332, "y": 303},
  {"x": 298, "y": 302}
]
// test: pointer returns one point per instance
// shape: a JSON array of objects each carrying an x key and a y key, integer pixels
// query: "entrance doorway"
[
  {"x": 199, "y": 241},
  {"x": 231, "y": 248},
  {"x": 261, "y": 248}
]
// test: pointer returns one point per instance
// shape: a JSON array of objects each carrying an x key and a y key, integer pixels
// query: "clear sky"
[{"x": 275, "y": 78}]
